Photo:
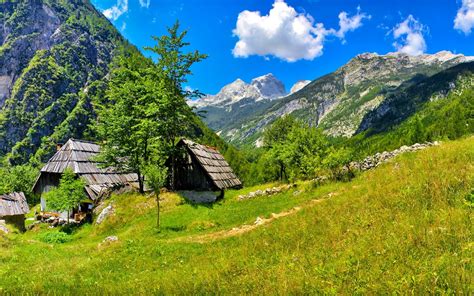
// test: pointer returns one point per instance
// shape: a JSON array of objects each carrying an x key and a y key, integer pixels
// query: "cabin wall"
[
  {"x": 190, "y": 176},
  {"x": 46, "y": 183}
]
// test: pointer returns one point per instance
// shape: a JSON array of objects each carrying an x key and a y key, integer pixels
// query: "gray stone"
[
  {"x": 3, "y": 227},
  {"x": 106, "y": 212},
  {"x": 112, "y": 238}
]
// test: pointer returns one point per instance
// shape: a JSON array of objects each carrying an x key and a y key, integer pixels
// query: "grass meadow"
[{"x": 403, "y": 228}]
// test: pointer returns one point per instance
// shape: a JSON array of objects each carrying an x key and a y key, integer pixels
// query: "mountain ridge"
[
  {"x": 57, "y": 53},
  {"x": 338, "y": 101}
]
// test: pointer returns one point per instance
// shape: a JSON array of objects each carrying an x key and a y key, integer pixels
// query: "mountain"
[
  {"x": 53, "y": 57},
  {"x": 266, "y": 87},
  {"x": 340, "y": 101},
  {"x": 238, "y": 101}
]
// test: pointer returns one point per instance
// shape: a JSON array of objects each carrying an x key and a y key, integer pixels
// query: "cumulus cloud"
[
  {"x": 145, "y": 3},
  {"x": 349, "y": 24},
  {"x": 114, "y": 12},
  {"x": 287, "y": 34},
  {"x": 410, "y": 34},
  {"x": 464, "y": 20}
]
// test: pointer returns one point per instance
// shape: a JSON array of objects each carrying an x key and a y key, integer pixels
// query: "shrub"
[{"x": 55, "y": 237}]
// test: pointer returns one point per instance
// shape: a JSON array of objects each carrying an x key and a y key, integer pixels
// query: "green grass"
[{"x": 403, "y": 228}]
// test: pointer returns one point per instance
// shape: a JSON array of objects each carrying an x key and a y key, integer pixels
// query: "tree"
[
  {"x": 275, "y": 140},
  {"x": 148, "y": 109},
  {"x": 156, "y": 176},
  {"x": 174, "y": 66},
  {"x": 67, "y": 195}
]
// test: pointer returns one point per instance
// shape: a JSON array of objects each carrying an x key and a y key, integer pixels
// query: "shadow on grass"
[{"x": 177, "y": 228}]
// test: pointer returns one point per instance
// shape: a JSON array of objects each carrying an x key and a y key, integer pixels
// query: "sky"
[{"x": 293, "y": 39}]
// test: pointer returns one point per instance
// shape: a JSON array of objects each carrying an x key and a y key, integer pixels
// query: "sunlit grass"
[{"x": 403, "y": 228}]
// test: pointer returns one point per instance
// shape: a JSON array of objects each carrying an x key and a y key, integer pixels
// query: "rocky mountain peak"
[
  {"x": 269, "y": 86},
  {"x": 265, "y": 87}
]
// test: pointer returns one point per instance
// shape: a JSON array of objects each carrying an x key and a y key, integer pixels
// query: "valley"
[{"x": 161, "y": 147}]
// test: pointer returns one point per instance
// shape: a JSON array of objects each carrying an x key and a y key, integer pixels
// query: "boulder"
[
  {"x": 110, "y": 239},
  {"x": 3, "y": 227},
  {"x": 106, "y": 212}
]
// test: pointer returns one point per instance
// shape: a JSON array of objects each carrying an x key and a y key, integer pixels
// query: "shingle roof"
[
  {"x": 79, "y": 157},
  {"x": 13, "y": 204},
  {"x": 214, "y": 164}
]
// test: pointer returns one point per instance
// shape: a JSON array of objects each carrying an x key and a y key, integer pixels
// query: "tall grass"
[{"x": 403, "y": 228}]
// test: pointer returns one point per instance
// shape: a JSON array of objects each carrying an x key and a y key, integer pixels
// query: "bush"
[{"x": 55, "y": 237}]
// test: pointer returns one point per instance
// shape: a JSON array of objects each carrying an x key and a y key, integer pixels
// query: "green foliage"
[
  {"x": 67, "y": 195},
  {"x": 156, "y": 176},
  {"x": 294, "y": 151},
  {"x": 148, "y": 110},
  {"x": 54, "y": 237},
  {"x": 18, "y": 179}
]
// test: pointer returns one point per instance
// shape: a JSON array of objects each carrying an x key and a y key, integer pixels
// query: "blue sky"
[{"x": 294, "y": 39}]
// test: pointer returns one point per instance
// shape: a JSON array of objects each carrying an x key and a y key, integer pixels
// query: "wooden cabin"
[
  {"x": 203, "y": 168},
  {"x": 13, "y": 208},
  {"x": 80, "y": 156}
]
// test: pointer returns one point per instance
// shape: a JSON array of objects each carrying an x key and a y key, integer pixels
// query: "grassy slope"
[{"x": 405, "y": 227}]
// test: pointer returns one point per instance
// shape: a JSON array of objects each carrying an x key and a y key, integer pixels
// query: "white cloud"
[
  {"x": 410, "y": 32},
  {"x": 286, "y": 34},
  {"x": 123, "y": 27},
  {"x": 114, "y": 12},
  {"x": 145, "y": 3},
  {"x": 464, "y": 20},
  {"x": 349, "y": 24}
]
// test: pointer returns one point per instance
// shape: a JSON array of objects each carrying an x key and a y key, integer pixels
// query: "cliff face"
[{"x": 53, "y": 57}]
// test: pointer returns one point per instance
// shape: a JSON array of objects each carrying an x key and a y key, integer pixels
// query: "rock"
[
  {"x": 112, "y": 238},
  {"x": 3, "y": 227},
  {"x": 259, "y": 221},
  {"x": 106, "y": 212}
]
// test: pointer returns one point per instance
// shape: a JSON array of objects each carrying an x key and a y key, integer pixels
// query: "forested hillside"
[{"x": 53, "y": 58}]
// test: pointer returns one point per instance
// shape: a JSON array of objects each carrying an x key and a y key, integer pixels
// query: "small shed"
[
  {"x": 80, "y": 157},
  {"x": 202, "y": 168},
  {"x": 13, "y": 207}
]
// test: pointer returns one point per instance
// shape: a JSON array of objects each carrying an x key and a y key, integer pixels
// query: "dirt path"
[{"x": 209, "y": 237}]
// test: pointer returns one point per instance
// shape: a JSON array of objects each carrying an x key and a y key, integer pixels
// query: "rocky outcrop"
[
  {"x": 266, "y": 192},
  {"x": 375, "y": 160},
  {"x": 106, "y": 212}
]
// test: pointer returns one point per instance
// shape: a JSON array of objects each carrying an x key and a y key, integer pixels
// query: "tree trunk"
[
  {"x": 141, "y": 185},
  {"x": 173, "y": 171},
  {"x": 157, "y": 196},
  {"x": 68, "y": 217}
]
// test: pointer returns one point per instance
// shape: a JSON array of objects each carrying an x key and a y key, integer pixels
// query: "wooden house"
[
  {"x": 80, "y": 156},
  {"x": 202, "y": 168},
  {"x": 13, "y": 208}
]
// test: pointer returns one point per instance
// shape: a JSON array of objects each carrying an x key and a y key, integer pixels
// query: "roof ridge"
[{"x": 82, "y": 141}]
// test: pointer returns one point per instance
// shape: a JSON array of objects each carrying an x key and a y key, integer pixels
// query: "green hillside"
[
  {"x": 55, "y": 55},
  {"x": 405, "y": 227}
]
